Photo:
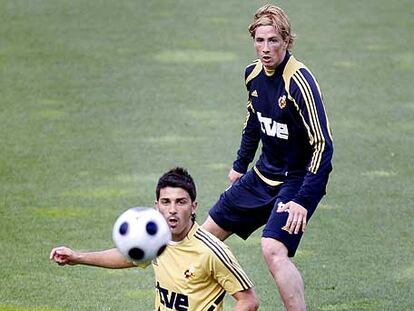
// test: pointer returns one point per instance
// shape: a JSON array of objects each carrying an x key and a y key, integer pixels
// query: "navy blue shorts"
[{"x": 250, "y": 203}]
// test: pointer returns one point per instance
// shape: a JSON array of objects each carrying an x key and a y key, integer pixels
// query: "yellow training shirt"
[{"x": 195, "y": 273}]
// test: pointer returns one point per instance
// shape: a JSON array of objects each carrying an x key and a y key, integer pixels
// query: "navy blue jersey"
[{"x": 286, "y": 113}]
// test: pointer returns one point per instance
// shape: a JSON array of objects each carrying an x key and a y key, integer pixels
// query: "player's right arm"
[
  {"x": 110, "y": 258},
  {"x": 249, "y": 141},
  {"x": 234, "y": 176},
  {"x": 251, "y": 129}
]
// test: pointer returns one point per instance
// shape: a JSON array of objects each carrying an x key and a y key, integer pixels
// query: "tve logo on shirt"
[
  {"x": 273, "y": 128},
  {"x": 172, "y": 300}
]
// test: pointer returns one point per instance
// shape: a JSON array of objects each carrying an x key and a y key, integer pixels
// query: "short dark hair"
[{"x": 177, "y": 177}]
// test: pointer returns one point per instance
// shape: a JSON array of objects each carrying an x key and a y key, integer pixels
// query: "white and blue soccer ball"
[{"x": 141, "y": 234}]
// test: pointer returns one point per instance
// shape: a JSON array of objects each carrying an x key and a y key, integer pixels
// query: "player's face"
[
  {"x": 177, "y": 208},
  {"x": 270, "y": 47}
]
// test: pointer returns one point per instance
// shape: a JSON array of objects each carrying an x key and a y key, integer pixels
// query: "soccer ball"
[{"x": 141, "y": 234}]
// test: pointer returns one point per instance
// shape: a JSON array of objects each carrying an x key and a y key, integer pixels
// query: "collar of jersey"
[
  {"x": 279, "y": 68},
  {"x": 188, "y": 236}
]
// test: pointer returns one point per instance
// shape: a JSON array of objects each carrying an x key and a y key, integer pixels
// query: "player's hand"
[
  {"x": 63, "y": 256},
  {"x": 297, "y": 217},
  {"x": 234, "y": 176}
]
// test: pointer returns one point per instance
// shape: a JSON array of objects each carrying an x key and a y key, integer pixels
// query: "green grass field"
[{"x": 98, "y": 98}]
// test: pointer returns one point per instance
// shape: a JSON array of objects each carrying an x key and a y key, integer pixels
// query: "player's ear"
[
  {"x": 194, "y": 206},
  {"x": 156, "y": 205}
]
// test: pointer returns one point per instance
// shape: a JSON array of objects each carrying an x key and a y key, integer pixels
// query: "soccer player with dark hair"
[
  {"x": 195, "y": 271},
  {"x": 285, "y": 111}
]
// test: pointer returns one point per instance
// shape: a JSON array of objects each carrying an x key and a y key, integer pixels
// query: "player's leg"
[
  {"x": 211, "y": 226},
  {"x": 286, "y": 275},
  {"x": 241, "y": 209},
  {"x": 278, "y": 245}
]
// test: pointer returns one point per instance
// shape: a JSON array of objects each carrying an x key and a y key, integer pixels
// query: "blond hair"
[{"x": 271, "y": 15}]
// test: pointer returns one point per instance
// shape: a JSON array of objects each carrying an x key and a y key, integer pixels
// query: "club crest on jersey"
[
  {"x": 282, "y": 101},
  {"x": 189, "y": 273}
]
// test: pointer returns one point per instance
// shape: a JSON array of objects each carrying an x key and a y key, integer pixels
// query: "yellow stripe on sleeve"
[
  {"x": 256, "y": 70},
  {"x": 315, "y": 126}
]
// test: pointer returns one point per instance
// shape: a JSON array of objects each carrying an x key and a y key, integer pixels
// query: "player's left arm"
[
  {"x": 306, "y": 94},
  {"x": 246, "y": 300},
  {"x": 227, "y": 271}
]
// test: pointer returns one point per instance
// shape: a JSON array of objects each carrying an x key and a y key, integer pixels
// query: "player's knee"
[{"x": 274, "y": 251}]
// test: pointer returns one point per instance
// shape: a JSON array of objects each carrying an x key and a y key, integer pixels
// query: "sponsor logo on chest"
[
  {"x": 172, "y": 300},
  {"x": 273, "y": 128}
]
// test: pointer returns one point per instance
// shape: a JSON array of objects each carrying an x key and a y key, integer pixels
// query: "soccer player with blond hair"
[{"x": 286, "y": 113}]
